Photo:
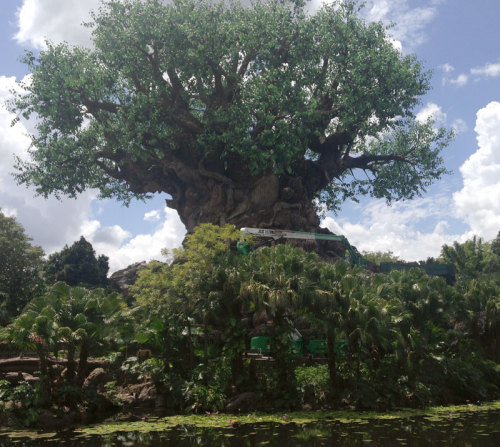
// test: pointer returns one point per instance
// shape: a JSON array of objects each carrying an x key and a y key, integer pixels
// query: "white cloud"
[
  {"x": 460, "y": 80},
  {"x": 432, "y": 110},
  {"x": 112, "y": 241},
  {"x": 459, "y": 126},
  {"x": 9, "y": 212},
  {"x": 478, "y": 202},
  {"x": 488, "y": 70},
  {"x": 57, "y": 20},
  {"x": 447, "y": 68},
  {"x": 383, "y": 228},
  {"x": 53, "y": 224},
  {"x": 152, "y": 216}
]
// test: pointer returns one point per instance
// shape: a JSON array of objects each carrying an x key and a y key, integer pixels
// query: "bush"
[{"x": 313, "y": 384}]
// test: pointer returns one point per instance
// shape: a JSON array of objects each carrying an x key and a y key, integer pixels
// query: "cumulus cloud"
[
  {"x": 478, "y": 202},
  {"x": 123, "y": 249},
  {"x": 57, "y": 20},
  {"x": 395, "y": 228},
  {"x": 435, "y": 112},
  {"x": 53, "y": 223},
  {"x": 459, "y": 81}
]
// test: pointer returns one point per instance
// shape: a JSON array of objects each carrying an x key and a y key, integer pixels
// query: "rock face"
[
  {"x": 97, "y": 379},
  {"x": 123, "y": 279},
  {"x": 142, "y": 395}
]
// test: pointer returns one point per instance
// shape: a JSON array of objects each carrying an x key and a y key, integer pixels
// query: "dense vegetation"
[{"x": 397, "y": 339}]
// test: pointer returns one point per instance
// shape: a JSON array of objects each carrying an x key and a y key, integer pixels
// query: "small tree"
[
  {"x": 20, "y": 264},
  {"x": 78, "y": 265}
]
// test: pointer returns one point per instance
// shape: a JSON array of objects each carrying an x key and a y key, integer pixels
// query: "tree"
[
  {"x": 495, "y": 245},
  {"x": 247, "y": 115},
  {"x": 77, "y": 265},
  {"x": 473, "y": 259},
  {"x": 20, "y": 265},
  {"x": 381, "y": 256}
]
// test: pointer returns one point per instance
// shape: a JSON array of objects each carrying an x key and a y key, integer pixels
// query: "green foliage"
[
  {"x": 21, "y": 402},
  {"x": 312, "y": 384},
  {"x": 406, "y": 337},
  {"x": 77, "y": 265},
  {"x": 378, "y": 256},
  {"x": 207, "y": 391},
  {"x": 82, "y": 319},
  {"x": 20, "y": 266},
  {"x": 167, "y": 93}
]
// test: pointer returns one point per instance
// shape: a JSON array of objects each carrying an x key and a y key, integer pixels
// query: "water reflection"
[{"x": 481, "y": 429}]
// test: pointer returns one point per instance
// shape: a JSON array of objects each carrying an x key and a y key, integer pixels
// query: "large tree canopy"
[{"x": 244, "y": 114}]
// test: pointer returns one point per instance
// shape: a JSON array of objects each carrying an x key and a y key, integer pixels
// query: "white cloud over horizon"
[
  {"x": 394, "y": 228},
  {"x": 54, "y": 223},
  {"x": 49, "y": 220},
  {"x": 478, "y": 202},
  {"x": 124, "y": 250}
]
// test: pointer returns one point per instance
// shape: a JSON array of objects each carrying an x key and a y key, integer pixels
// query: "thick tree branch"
[
  {"x": 366, "y": 161},
  {"x": 95, "y": 106}
]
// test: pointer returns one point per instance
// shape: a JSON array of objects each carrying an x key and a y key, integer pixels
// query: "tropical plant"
[{"x": 75, "y": 318}]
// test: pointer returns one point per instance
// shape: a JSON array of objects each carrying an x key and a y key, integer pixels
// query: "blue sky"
[{"x": 458, "y": 40}]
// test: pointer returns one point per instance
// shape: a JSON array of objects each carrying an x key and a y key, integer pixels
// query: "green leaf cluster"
[{"x": 20, "y": 269}]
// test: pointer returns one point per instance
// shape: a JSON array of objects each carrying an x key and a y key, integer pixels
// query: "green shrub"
[{"x": 312, "y": 384}]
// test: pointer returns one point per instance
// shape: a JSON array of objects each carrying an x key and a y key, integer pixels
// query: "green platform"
[{"x": 261, "y": 345}]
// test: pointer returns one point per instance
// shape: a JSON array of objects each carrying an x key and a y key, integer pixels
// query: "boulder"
[
  {"x": 97, "y": 379},
  {"x": 123, "y": 279},
  {"x": 140, "y": 395}
]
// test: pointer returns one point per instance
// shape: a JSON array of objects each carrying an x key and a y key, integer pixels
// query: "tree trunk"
[
  {"x": 82, "y": 362},
  {"x": 267, "y": 201},
  {"x": 331, "y": 359},
  {"x": 70, "y": 369}
]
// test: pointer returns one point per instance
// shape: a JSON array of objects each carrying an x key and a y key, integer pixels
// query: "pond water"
[{"x": 469, "y": 429}]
